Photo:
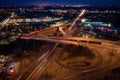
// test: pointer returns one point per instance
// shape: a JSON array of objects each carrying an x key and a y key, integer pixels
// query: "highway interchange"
[{"x": 50, "y": 52}]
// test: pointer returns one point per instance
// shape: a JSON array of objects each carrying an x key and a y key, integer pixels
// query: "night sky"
[{"x": 33, "y": 2}]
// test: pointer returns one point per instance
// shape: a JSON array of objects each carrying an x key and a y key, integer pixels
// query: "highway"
[
  {"x": 97, "y": 69},
  {"x": 42, "y": 66},
  {"x": 108, "y": 63},
  {"x": 44, "y": 60},
  {"x": 44, "y": 53},
  {"x": 76, "y": 41},
  {"x": 109, "y": 45},
  {"x": 61, "y": 30},
  {"x": 6, "y": 21},
  {"x": 79, "y": 16}
]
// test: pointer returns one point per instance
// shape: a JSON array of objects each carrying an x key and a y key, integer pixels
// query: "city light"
[
  {"x": 109, "y": 24},
  {"x": 83, "y": 20},
  {"x": 47, "y": 41}
]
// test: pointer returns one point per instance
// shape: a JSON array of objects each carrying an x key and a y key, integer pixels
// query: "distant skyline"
[{"x": 34, "y": 2}]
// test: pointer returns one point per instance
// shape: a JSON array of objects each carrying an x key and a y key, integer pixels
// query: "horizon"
[{"x": 60, "y": 2}]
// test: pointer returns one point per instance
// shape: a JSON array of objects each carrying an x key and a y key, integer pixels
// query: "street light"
[
  {"x": 83, "y": 20},
  {"x": 109, "y": 24}
]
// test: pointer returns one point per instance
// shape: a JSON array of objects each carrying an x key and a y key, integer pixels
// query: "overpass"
[
  {"x": 77, "y": 41},
  {"x": 66, "y": 40}
]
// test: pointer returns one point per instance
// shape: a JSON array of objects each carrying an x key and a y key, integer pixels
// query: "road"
[
  {"x": 61, "y": 30},
  {"x": 74, "y": 22},
  {"x": 6, "y": 21},
  {"x": 105, "y": 44},
  {"x": 76, "y": 41},
  {"x": 38, "y": 71},
  {"x": 108, "y": 63},
  {"x": 34, "y": 65},
  {"x": 43, "y": 61},
  {"x": 111, "y": 63},
  {"x": 42, "y": 66}
]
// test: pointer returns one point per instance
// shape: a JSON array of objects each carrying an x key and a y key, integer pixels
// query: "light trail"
[
  {"x": 81, "y": 14},
  {"x": 61, "y": 30}
]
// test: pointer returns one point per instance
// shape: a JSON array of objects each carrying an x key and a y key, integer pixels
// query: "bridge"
[{"x": 77, "y": 41}]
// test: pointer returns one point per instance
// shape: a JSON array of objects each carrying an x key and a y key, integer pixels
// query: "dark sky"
[{"x": 32, "y": 2}]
